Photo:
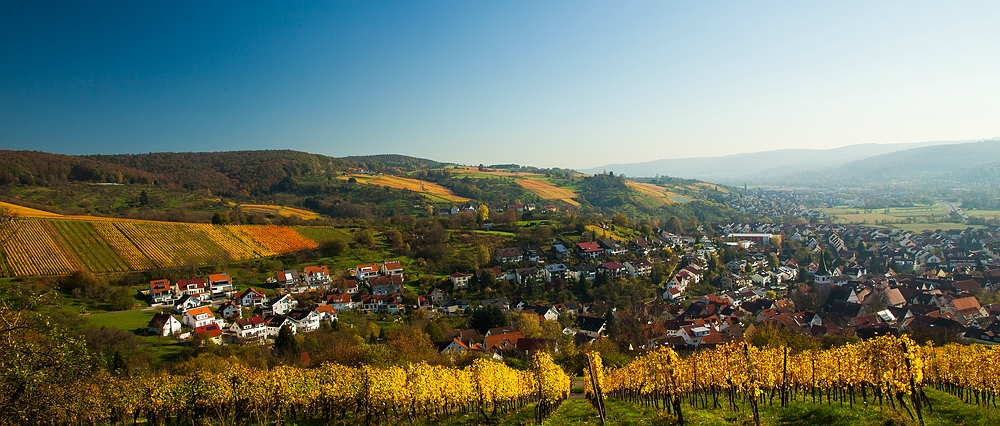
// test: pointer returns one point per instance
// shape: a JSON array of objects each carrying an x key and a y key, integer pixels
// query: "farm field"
[
  {"x": 547, "y": 191},
  {"x": 431, "y": 190},
  {"x": 985, "y": 214},
  {"x": 927, "y": 215},
  {"x": 60, "y": 246}
]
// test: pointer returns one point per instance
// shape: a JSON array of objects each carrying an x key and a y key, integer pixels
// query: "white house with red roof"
[
  {"x": 161, "y": 291},
  {"x": 198, "y": 317},
  {"x": 251, "y": 297},
  {"x": 366, "y": 271},
  {"x": 459, "y": 280},
  {"x": 317, "y": 276},
  {"x": 392, "y": 267},
  {"x": 221, "y": 284}
]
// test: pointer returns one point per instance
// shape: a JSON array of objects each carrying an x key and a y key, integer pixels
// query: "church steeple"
[{"x": 823, "y": 270}]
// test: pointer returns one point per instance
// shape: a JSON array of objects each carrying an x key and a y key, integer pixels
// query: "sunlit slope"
[
  {"x": 547, "y": 191},
  {"x": 429, "y": 189},
  {"x": 54, "y": 246}
]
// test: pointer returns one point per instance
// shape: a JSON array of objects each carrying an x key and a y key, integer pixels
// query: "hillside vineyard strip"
[
  {"x": 273, "y": 239},
  {"x": 32, "y": 250},
  {"x": 52, "y": 247},
  {"x": 94, "y": 252},
  {"x": 239, "y": 395}
]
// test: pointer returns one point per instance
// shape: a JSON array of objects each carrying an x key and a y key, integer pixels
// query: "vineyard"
[
  {"x": 547, "y": 191},
  {"x": 60, "y": 246},
  {"x": 33, "y": 250},
  {"x": 236, "y": 394},
  {"x": 430, "y": 189},
  {"x": 885, "y": 373}
]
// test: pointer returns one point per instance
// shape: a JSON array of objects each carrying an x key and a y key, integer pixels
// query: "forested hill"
[
  {"x": 227, "y": 173},
  {"x": 193, "y": 187}
]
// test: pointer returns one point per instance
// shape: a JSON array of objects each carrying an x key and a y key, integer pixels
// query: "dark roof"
[{"x": 592, "y": 324}]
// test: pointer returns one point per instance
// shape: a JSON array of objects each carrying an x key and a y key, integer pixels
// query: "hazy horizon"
[{"x": 555, "y": 84}]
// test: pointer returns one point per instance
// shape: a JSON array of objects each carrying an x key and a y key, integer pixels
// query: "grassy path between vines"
[{"x": 948, "y": 410}]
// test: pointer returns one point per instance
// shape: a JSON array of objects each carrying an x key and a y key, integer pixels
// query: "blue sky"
[{"x": 567, "y": 84}]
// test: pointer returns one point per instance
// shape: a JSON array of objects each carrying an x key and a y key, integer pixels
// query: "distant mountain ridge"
[
  {"x": 756, "y": 167},
  {"x": 973, "y": 163}
]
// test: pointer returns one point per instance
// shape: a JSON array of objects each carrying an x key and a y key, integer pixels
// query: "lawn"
[
  {"x": 323, "y": 234},
  {"x": 130, "y": 320}
]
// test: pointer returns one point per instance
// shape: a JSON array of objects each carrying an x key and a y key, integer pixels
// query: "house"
[
  {"x": 612, "y": 269},
  {"x": 437, "y": 296},
  {"x": 221, "y": 284},
  {"x": 230, "y": 311},
  {"x": 305, "y": 320},
  {"x": 195, "y": 287},
  {"x": 526, "y": 275},
  {"x": 327, "y": 313},
  {"x": 365, "y": 271},
  {"x": 459, "y": 280},
  {"x": 392, "y": 268},
  {"x": 502, "y": 342},
  {"x": 160, "y": 291},
  {"x": 543, "y": 312},
  {"x": 340, "y": 302},
  {"x": 317, "y": 276},
  {"x": 250, "y": 329},
  {"x": 507, "y": 255},
  {"x": 585, "y": 272},
  {"x": 532, "y": 253},
  {"x": 673, "y": 294},
  {"x": 501, "y": 303},
  {"x": 388, "y": 303},
  {"x": 639, "y": 267},
  {"x": 198, "y": 317},
  {"x": 457, "y": 346},
  {"x": 186, "y": 302},
  {"x": 555, "y": 271},
  {"x": 613, "y": 248},
  {"x": 251, "y": 297},
  {"x": 163, "y": 324},
  {"x": 966, "y": 308},
  {"x": 209, "y": 332},
  {"x": 593, "y": 327},
  {"x": 281, "y": 305},
  {"x": 559, "y": 252},
  {"x": 287, "y": 278},
  {"x": 349, "y": 286},
  {"x": 274, "y": 324},
  {"x": 386, "y": 284},
  {"x": 589, "y": 250}
]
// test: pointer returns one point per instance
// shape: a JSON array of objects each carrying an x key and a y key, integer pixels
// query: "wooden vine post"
[{"x": 598, "y": 398}]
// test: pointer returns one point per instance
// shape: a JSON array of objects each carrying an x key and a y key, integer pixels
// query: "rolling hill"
[{"x": 755, "y": 166}]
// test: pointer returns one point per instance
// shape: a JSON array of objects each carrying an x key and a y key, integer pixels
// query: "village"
[{"x": 829, "y": 283}]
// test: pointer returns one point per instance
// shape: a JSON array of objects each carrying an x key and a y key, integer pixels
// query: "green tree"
[
  {"x": 285, "y": 344},
  {"x": 674, "y": 225},
  {"x": 434, "y": 332},
  {"x": 484, "y": 318}
]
